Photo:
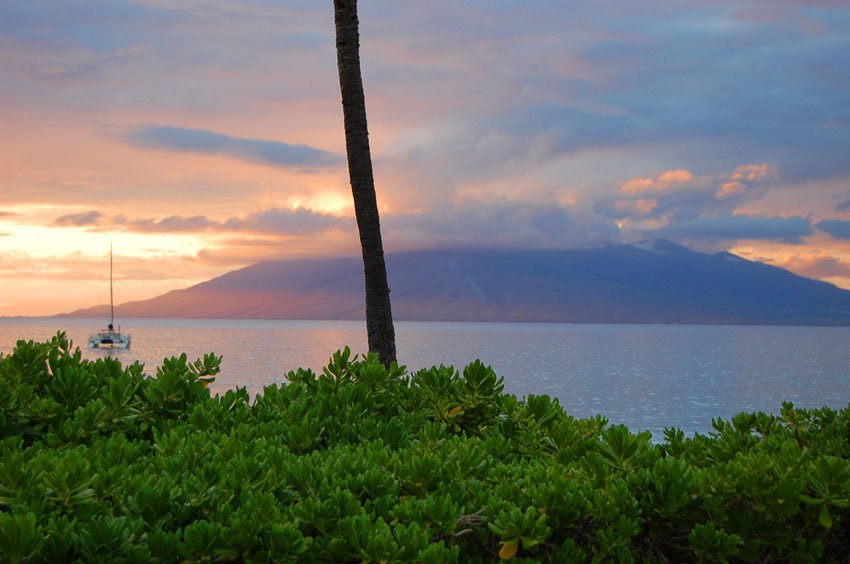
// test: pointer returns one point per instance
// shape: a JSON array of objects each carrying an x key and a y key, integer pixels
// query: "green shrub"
[{"x": 365, "y": 463}]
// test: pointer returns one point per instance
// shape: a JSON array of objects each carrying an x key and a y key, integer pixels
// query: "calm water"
[{"x": 646, "y": 376}]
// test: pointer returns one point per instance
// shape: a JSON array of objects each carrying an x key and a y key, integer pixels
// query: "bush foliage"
[{"x": 363, "y": 463}]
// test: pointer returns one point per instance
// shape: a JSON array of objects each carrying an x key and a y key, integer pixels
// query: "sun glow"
[
  {"x": 32, "y": 229},
  {"x": 46, "y": 268},
  {"x": 331, "y": 203},
  {"x": 40, "y": 242}
]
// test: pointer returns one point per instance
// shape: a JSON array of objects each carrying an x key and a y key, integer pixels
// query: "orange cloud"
[
  {"x": 673, "y": 177},
  {"x": 730, "y": 188},
  {"x": 815, "y": 265},
  {"x": 637, "y": 185},
  {"x": 740, "y": 176},
  {"x": 750, "y": 171},
  {"x": 664, "y": 181},
  {"x": 641, "y": 206}
]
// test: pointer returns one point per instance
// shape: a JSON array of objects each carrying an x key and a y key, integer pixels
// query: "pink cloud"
[
  {"x": 750, "y": 171},
  {"x": 729, "y": 188},
  {"x": 674, "y": 177},
  {"x": 741, "y": 177},
  {"x": 640, "y": 206},
  {"x": 665, "y": 181},
  {"x": 637, "y": 185},
  {"x": 820, "y": 265}
]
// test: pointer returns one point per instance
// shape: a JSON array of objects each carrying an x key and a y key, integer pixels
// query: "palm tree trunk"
[{"x": 379, "y": 317}]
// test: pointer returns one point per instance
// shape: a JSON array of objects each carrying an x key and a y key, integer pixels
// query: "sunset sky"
[{"x": 201, "y": 136}]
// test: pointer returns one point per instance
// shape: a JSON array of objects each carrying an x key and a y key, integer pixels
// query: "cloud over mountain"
[{"x": 740, "y": 227}]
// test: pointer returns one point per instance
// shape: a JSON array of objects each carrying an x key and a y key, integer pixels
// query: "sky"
[{"x": 202, "y": 136}]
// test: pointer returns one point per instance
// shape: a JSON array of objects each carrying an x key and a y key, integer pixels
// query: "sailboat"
[{"x": 109, "y": 338}]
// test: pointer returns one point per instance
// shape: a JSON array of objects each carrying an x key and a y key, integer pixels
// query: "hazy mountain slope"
[{"x": 653, "y": 282}]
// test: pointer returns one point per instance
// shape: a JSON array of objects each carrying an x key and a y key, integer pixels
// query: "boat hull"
[{"x": 109, "y": 340}]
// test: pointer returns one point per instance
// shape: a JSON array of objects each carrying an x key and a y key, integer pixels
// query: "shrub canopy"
[{"x": 368, "y": 463}]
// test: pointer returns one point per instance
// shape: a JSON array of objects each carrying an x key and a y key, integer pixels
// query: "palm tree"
[{"x": 379, "y": 317}]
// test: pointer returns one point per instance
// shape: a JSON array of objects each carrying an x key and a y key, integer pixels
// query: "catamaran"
[{"x": 109, "y": 338}]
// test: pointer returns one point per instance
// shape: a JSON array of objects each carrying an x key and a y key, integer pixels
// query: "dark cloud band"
[
  {"x": 78, "y": 219},
  {"x": 273, "y": 221},
  {"x": 259, "y": 151},
  {"x": 838, "y": 228},
  {"x": 740, "y": 227}
]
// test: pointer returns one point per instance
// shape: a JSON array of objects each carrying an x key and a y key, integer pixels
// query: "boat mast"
[{"x": 111, "y": 308}]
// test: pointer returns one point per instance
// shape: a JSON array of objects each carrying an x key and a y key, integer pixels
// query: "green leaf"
[{"x": 824, "y": 518}]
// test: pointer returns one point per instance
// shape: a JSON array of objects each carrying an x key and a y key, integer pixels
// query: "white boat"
[{"x": 109, "y": 338}]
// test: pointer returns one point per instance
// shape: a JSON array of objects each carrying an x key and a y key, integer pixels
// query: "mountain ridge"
[{"x": 651, "y": 282}]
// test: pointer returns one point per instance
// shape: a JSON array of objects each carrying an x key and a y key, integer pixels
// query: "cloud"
[
  {"x": 736, "y": 183},
  {"x": 843, "y": 206},
  {"x": 678, "y": 81},
  {"x": 272, "y": 221},
  {"x": 299, "y": 221},
  {"x": 634, "y": 208},
  {"x": 500, "y": 223},
  {"x": 678, "y": 195},
  {"x": 750, "y": 171},
  {"x": 838, "y": 228},
  {"x": 257, "y": 151},
  {"x": 78, "y": 219},
  {"x": 664, "y": 181},
  {"x": 815, "y": 266},
  {"x": 741, "y": 177},
  {"x": 674, "y": 83},
  {"x": 170, "y": 224},
  {"x": 739, "y": 227}
]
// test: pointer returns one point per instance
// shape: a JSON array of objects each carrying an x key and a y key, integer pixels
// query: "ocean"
[{"x": 647, "y": 377}]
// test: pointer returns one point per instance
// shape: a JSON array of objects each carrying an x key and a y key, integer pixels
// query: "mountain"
[{"x": 652, "y": 282}]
